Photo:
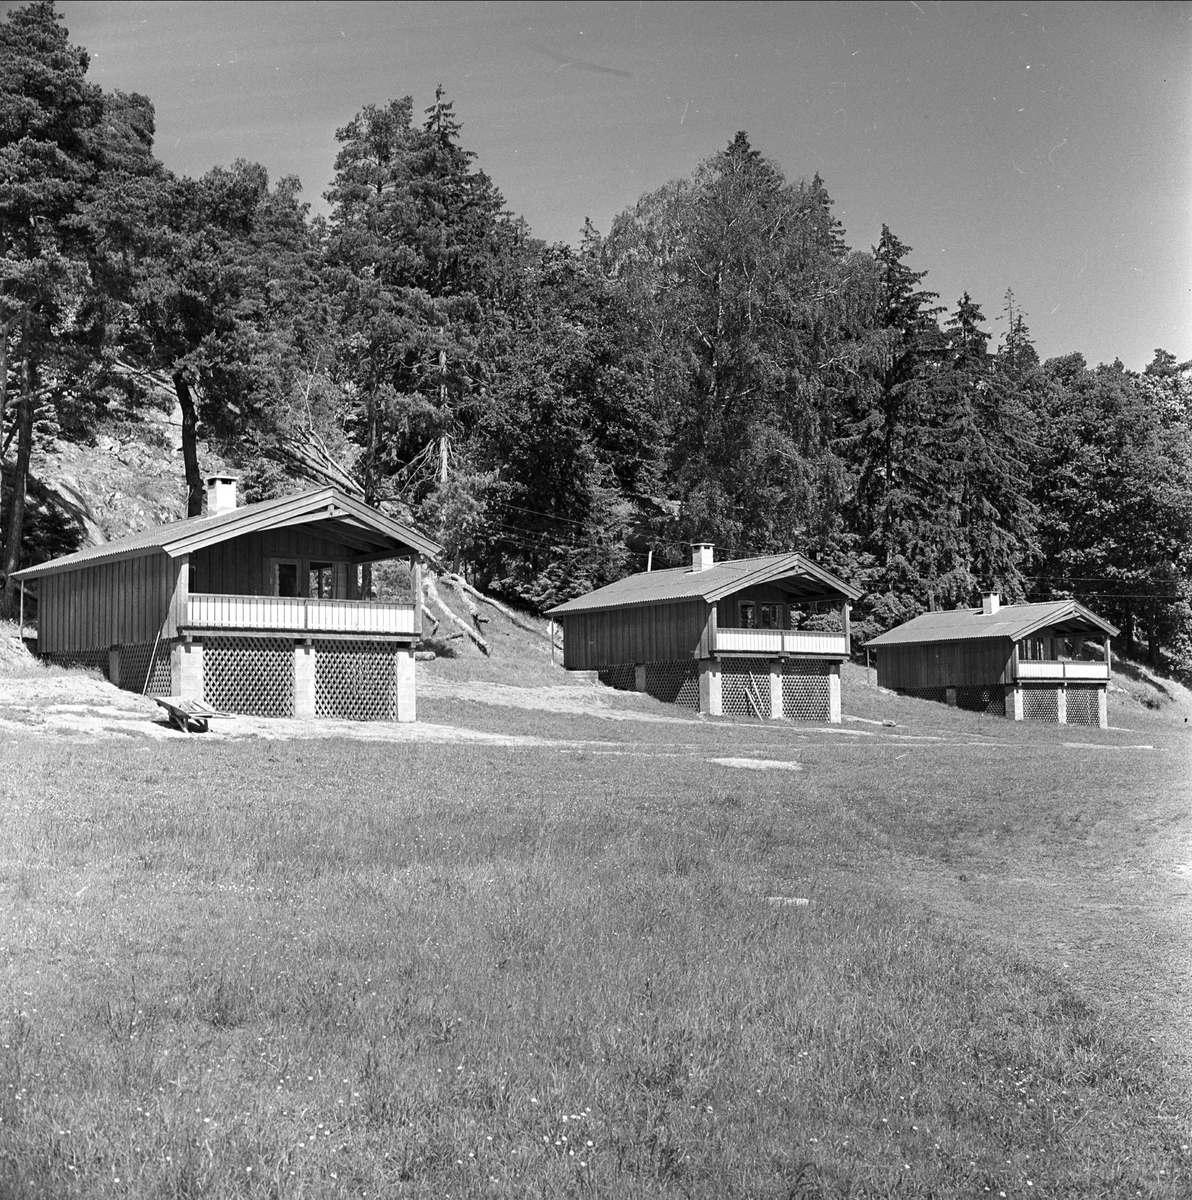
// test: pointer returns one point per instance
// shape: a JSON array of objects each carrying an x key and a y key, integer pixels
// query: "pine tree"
[{"x": 47, "y": 163}]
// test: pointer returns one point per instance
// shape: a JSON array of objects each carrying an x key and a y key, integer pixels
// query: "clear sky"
[{"x": 1041, "y": 147}]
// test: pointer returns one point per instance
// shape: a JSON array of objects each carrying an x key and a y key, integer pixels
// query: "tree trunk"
[
  {"x": 20, "y": 482},
  {"x": 190, "y": 446},
  {"x": 3, "y": 400}
]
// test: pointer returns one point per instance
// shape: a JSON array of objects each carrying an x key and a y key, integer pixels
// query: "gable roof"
[
  {"x": 327, "y": 510},
  {"x": 712, "y": 584},
  {"x": 1013, "y": 621}
]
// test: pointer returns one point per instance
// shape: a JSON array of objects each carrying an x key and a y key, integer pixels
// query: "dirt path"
[{"x": 1121, "y": 933}]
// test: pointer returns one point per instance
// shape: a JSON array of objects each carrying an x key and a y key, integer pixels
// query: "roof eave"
[
  {"x": 292, "y": 510},
  {"x": 58, "y": 566},
  {"x": 792, "y": 564}
]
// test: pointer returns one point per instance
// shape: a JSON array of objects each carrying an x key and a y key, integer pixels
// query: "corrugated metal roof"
[
  {"x": 194, "y": 533},
  {"x": 1012, "y": 621},
  {"x": 719, "y": 580}
]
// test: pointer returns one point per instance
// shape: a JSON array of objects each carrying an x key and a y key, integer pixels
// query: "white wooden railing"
[
  {"x": 1062, "y": 670},
  {"x": 779, "y": 641},
  {"x": 208, "y": 611}
]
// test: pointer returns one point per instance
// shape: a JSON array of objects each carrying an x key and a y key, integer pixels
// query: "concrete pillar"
[
  {"x": 186, "y": 670},
  {"x": 776, "y": 688},
  {"x": 406, "y": 696},
  {"x": 114, "y": 665},
  {"x": 1061, "y": 703},
  {"x": 304, "y": 681},
  {"x": 834, "y": 694},
  {"x": 950, "y": 697},
  {"x": 639, "y": 677},
  {"x": 1102, "y": 708},
  {"x": 1014, "y": 703},
  {"x": 709, "y": 687}
]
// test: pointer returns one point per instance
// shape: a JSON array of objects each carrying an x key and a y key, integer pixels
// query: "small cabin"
[
  {"x": 1029, "y": 662},
  {"x": 256, "y": 609},
  {"x": 761, "y": 637}
]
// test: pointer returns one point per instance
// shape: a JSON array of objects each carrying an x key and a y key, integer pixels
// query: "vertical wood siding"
[
  {"x": 946, "y": 664},
  {"x": 240, "y": 566},
  {"x": 130, "y": 600},
  {"x": 649, "y": 633}
]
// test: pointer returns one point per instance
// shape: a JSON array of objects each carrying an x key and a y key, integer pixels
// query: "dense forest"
[{"x": 718, "y": 366}]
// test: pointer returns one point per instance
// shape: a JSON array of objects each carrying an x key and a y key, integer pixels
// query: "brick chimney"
[
  {"x": 701, "y": 556},
  {"x": 221, "y": 494},
  {"x": 990, "y": 603}
]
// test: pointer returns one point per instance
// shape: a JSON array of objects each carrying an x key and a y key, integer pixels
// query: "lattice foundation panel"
[
  {"x": 146, "y": 668},
  {"x": 674, "y": 682},
  {"x": 806, "y": 692},
  {"x": 253, "y": 676},
  {"x": 745, "y": 687},
  {"x": 356, "y": 681},
  {"x": 988, "y": 700},
  {"x": 1040, "y": 704},
  {"x": 622, "y": 676},
  {"x": 89, "y": 660},
  {"x": 1083, "y": 708}
]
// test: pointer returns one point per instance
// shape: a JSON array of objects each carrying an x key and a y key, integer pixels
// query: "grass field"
[{"x": 601, "y": 965}]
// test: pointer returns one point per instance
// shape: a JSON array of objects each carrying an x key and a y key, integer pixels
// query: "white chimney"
[
  {"x": 701, "y": 556},
  {"x": 221, "y": 494},
  {"x": 990, "y": 603}
]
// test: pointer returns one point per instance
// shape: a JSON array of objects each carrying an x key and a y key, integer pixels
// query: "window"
[
  {"x": 286, "y": 580},
  {"x": 771, "y": 616},
  {"x": 748, "y": 614},
  {"x": 322, "y": 581}
]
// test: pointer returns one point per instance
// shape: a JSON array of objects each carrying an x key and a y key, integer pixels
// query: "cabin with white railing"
[
  {"x": 760, "y": 637},
  {"x": 1031, "y": 662},
  {"x": 257, "y": 609}
]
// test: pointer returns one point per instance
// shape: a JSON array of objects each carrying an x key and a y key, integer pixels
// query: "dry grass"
[{"x": 345, "y": 970}]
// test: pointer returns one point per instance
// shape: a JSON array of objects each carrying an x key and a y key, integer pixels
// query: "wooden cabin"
[
  {"x": 760, "y": 637},
  {"x": 1030, "y": 662},
  {"x": 255, "y": 609}
]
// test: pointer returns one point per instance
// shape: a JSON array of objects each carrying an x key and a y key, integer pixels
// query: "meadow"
[{"x": 602, "y": 965}]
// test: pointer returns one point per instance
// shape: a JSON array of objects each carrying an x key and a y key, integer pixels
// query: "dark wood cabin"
[
  {"x": 758, "y": 637},
  {"x": 255, "y": 609},
  {"x": 1030, "y": 662}
]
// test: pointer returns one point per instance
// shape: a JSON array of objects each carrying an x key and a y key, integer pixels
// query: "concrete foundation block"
[
  {"x": 304, "y": 682},
  {"x": 406, "y": 694}
]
